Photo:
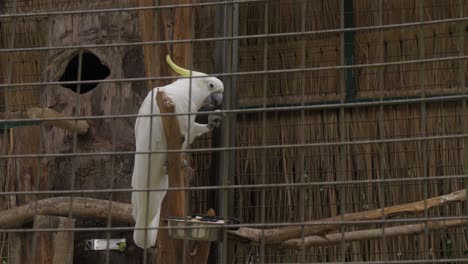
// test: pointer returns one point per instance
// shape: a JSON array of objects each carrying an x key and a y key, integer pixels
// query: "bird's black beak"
[{"x": 212, "y": 102}]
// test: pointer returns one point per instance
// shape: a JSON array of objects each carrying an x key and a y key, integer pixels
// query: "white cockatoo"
[{"x": 150, "y": 169}]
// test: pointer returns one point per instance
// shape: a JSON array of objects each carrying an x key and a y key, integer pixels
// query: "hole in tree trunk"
[{"x": 92, "y": 69}]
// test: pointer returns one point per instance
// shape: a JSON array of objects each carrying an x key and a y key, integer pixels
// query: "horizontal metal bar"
[
  {"x": 257, "y": 147},
  {"x": 325, "y": 106},
  {"x": 242, "y": 186},
  {"x": 257, "y": 225},
  {"x": 256, "y": 36},
  {"x": 262, "y": 72},
  {"x": 442, "y": 260},
  {"x": 126, "y": 9}
]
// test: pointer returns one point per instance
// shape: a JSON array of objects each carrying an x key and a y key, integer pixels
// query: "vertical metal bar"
[
  {"x": 263, "y": 143},
  {"x": 5, "y": 131},
  {"x": 228, "y": 139},
  {"x": 43, "y": 99},
  {"x": 233, "y": 102},
  {"x": 226, "y": 131},
  {"x": 75, "y": 134},
  {"x": 10, "y": 54},
  {"x": 423, "y": 124},
  {"x": 381, "y": 116},
  {"x": 301, "y": 151},
  {"x": 462, "y": 84},
  {"x": 9, "y": 79},
  {"x": 146, "y": 252},
  {"x": 341, "y": 172},
  {"x": 226, "y": 134},
  {"x": 113, "y": 144},
  {"x": 189, "y": 128},
  {"x": 218, "y": 167}
]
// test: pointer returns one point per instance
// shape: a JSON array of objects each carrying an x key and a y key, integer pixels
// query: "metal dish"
[{"x": 198, "y": 227}]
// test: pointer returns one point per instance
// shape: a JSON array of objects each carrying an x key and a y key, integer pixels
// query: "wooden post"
[
  {"x": 170, "y": 250},
  {"x": 44, "y": 247},
  {"x": 147, "y": 20},
  {"x": 172, "y": 24},
  {"x": 165, "y": 24}
]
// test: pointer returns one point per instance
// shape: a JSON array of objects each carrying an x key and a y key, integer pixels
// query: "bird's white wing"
[{"x": 149, "y": 172}]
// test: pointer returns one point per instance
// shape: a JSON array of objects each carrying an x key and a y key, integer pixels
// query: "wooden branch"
[
  {"x": 80, "y": 126},
  {"x": 170, "y": 250},
  {"x": 99, "y": 209},
  {"x": 278, "y": 235},
  {"x": 60, "y": 206},
  {"x": 174, "y": 159},
  {"x": 371, "y": 234}
]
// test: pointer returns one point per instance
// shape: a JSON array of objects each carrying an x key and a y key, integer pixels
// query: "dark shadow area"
[{"x": 92, "y": 69}]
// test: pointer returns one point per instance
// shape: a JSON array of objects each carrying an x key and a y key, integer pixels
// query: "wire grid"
[{"x": 332, "y": 108}]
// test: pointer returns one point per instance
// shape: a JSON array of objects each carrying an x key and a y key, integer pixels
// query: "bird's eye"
[{"x": 211, "y": 85}]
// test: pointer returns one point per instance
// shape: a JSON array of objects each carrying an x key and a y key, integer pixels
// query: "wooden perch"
[
  {"x": 174, "y": 159},
  {"x": 80, "y": 126},
  {"x": 279, "y": 235},
  {"x": 99, "y": 209},
  {"x": 371, "y": 234},
  {"x": 60, "y": 206},
  {"x": 170, "y": 250}
]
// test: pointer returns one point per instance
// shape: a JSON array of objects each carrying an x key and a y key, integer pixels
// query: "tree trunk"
[
  {"x": 108, "y": 135},
  {"x": 48, "y": 247}
]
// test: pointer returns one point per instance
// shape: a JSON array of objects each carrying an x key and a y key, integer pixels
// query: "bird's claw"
[{"x": 214, "y": 121}]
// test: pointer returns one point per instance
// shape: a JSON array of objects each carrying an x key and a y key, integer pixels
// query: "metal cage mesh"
[{"x": 332, "y": 110}]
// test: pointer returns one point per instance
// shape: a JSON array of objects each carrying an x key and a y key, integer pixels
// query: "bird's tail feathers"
[{"x": 146, "y": 238}]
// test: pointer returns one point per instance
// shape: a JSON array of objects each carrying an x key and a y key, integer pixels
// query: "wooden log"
[
  {"x": 170, "y": 250},
  {"x": 174, "y": 142},
  {"x": 60, "y": 206},
  {"x": 371, "y": 234},
  {"x": 278, "y": 235},
  {"x": 46, "y": 247},
  {"x": 99, "y": 209}
]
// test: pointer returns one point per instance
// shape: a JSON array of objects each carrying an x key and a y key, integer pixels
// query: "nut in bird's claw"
[{"x": 214, "y": 121}]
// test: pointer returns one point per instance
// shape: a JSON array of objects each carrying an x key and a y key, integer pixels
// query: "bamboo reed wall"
[
  {"x": 398, "y": 160},
  {"x": 370, "y": 161}
]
